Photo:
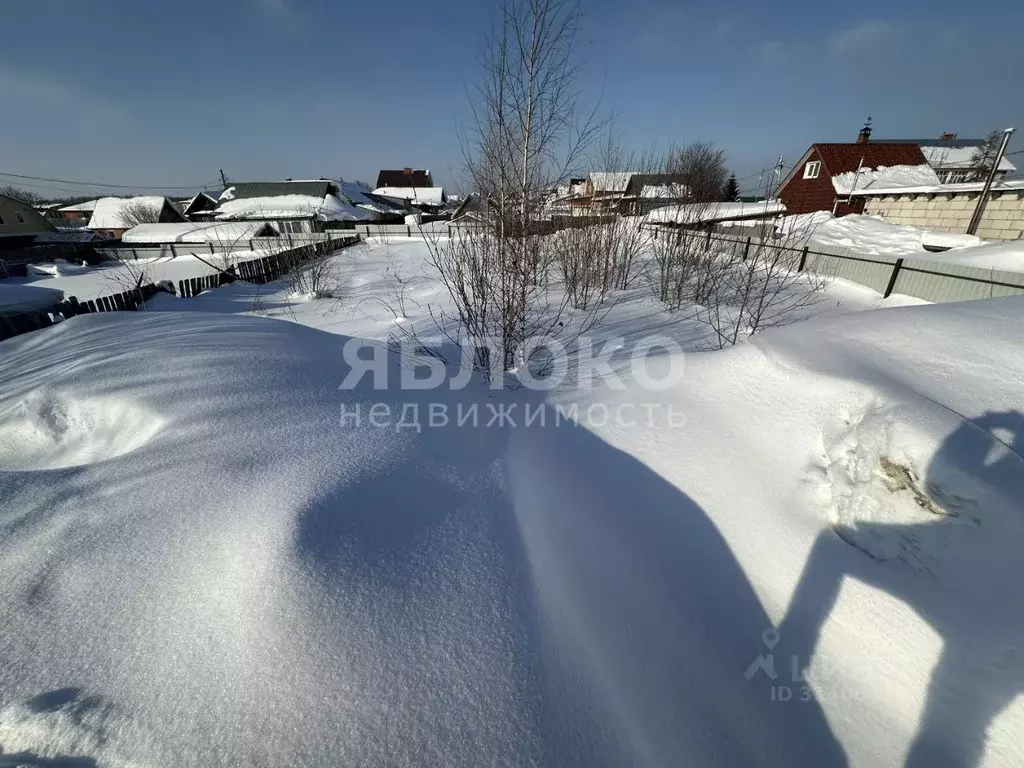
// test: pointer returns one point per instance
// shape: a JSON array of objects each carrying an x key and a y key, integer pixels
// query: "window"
[
  {"x": 20, "y": 217},
  {"x": 812, "y": 169},
  {"x": 1, "y": 219}
]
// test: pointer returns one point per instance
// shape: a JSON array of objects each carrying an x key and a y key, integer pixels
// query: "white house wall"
[{"x": 1003, "y": 219}]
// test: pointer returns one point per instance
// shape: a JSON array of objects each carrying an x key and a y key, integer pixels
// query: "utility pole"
[
  {"x": 223, "y": 179},
  {"x": 979, "y": 211}
]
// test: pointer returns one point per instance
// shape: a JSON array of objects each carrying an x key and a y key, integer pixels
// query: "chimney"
[
  {"x": 865, "y": 133},
  {"x": 947, "y": 137}
]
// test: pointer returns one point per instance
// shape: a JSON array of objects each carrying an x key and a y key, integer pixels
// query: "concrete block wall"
[{"x": 1003, "y": 219}]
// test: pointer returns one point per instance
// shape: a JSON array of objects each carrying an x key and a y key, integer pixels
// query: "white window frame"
[{"x": 812, "y": 169}]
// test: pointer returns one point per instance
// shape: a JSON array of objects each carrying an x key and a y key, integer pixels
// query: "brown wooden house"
[
  {"x": 811, "y": 185},
  {"x": 406, "y": 177}
]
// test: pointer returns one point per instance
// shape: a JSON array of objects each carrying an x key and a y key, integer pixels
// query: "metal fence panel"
[{"x": 938, "y": 282}]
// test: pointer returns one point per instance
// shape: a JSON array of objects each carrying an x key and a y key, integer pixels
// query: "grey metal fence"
[{"x": 927, "y": 279}]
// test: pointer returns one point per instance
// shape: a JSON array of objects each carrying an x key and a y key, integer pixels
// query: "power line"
[{"x": 110, "y": 186}]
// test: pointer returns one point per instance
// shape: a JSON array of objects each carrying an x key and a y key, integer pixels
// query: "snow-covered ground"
[{"x": 205, "y": 559}]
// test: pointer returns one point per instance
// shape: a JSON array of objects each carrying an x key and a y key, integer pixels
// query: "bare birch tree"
[{"x": 526, "y": 135}]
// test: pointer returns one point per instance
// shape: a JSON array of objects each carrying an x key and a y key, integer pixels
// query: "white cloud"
[{"x": 862, "y": 36}]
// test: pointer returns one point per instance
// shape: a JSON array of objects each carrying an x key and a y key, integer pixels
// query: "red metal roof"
[{"x": 840, "y": 158}]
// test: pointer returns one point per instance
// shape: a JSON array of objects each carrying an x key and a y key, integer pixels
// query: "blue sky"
[{"x": 168, "y": 93}]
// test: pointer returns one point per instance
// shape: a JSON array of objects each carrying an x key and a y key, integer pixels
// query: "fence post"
[
  {"x": 174, "y": 253},
  {"x": 892, "y": 278},
  {"x": 803, "y": 259},
  {"x": 211, "y": 248},
  {"x": 708, "y": 243},
  {"x": 746, "y": 250},
  {"x": 408, "y": 230},
  {"x": 135, "y": 254}
]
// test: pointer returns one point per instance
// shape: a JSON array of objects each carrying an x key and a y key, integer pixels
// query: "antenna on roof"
[{"x": 865, "y": 133}]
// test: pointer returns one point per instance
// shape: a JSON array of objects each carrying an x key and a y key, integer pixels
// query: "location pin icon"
[{"x": 770, "y": 638}]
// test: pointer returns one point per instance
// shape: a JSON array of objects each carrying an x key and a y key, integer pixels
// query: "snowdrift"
[{"x": 201, "y": 565}]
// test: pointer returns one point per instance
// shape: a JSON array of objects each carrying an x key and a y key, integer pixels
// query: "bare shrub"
[
  {"x": 135, "y": 212},
  {"x": 315, "y": 273},
  {"x": 763, "y": 290}
]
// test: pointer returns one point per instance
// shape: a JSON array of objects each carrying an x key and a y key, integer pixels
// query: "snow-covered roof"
[
  {"x": 193, "y": 232},
  {"x": 695, "y": 213},
  {"x": 109, "y": 211},
  {"x": 609, "y": 181},
  {"x": 957, "y": 157},
  {"x": 663, "y": 191},
  {"x": 939, "y": 189},
  {"x": 329, "y": 208},
  {"x": 420, "y": 195},
  {"x": 884, "y": 176},
  {"x": 86, "y": 207}
]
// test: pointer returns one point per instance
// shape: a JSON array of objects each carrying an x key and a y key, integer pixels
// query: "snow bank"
[
  {"x": 22, "y": 298},
  {"x": 944, "y": 241},
  {"x": 869, "y": 235},
  {"x": 217, "y": 545},
  {"x": 1005, "y": 256},
  {"x": 884, "y": 177}
]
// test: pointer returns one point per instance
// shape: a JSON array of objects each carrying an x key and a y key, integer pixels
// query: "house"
[
  {"x": 950, "y": 207},
  {"x": 426, "y": 199},
  {"x": 79, "y": 212},
  {"x": 827, "y": 174},
  {"x": 199, "y": 208},
  {"x": 385, "y": 210},
  {"x": 113, "y": 216},
  {"x": 604, "y": 191},
  {"x": 20, "y": 223},
  {"x": 953, "y": 159},
  {"x": 50, "y": 212},
  {"x": 647, "y": 191},
  {"x": 294, "y": 207},
  {"x": 406, "y": 177}
]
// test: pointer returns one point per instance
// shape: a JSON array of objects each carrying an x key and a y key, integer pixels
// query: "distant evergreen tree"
[{"x": 731, "y": 190}]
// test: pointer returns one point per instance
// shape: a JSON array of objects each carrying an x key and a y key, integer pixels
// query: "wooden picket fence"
[
  {"x": 23, "y": 322},
  {"x": 193, "y": 286},
  {"x": 260, "y": 271}
]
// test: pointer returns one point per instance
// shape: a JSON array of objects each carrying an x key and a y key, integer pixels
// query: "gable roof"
[
  {"x": 950, "y": 153},
  {"x": 319, "y": 189},
  {"x": 87, "y": 207},
  {"x": 845, "y": 158},
  {"x": 609, "y": 181},
  {"x": 204, "y": 201},
  {"x": 326, "y": 208},
  {"x": 108, "y": 211},
  {"x": 840, "y": 158},
  {"x": 406, "y": 177},
  {"x": 655, "y": 185}
]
